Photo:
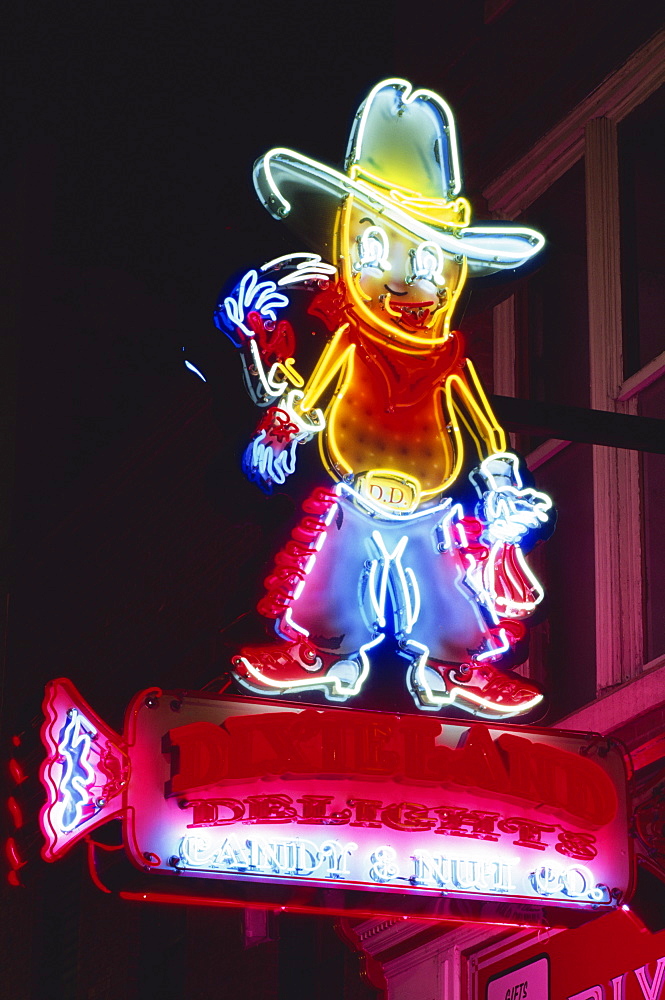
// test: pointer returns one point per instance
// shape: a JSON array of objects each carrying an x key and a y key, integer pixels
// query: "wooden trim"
[
  {"x": 503, "y": 316},
  {"x": 381, "y": 933},
  {"x": 503, "y": 348},
  {"x": 617, "y": 707},
  {"x": 643, "y": 378},
  {"x": 616, "y": 475},
  {"x": 548, "y": 449},
  {"x": 547, "y": 161},
  {"x": 435, "y": 969},
  {"x": 603, "y": 262},
  {"x": 514, "y": 944},
  {"x": 649, "y": 752}
]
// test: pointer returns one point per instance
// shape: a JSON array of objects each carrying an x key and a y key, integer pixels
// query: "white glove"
[{"x": 509, "y": 509}]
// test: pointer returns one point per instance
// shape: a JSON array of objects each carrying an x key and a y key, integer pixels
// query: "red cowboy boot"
[
  {"x": 479, "y": 688},
  {"x": 284, "y": 666}
]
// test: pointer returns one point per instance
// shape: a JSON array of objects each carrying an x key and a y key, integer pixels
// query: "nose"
[
  {"x": 398, "y": 285},
  {"x": 401, "y": 274}
]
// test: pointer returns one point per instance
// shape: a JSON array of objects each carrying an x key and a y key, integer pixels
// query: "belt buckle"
[{"x": 387, "y": 490}]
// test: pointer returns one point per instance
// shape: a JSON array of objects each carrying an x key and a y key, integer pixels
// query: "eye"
[
  {"x": 427, "y": 263},
  {"x": 372, "y": 249}
]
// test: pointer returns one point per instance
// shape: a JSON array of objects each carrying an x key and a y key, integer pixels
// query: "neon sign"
[
  {"x": 85, "y": 773},
  {"x": 614, "y": 958},
  {"x": 77, "y": 776},
  {"x": 228, "y": 789},
  {"x": 419, "y": 537}
]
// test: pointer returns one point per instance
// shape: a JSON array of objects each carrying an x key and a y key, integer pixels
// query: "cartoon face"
[{"x": 402, "y": 286}]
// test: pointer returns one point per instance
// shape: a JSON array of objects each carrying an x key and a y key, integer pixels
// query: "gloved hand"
[
  {"x": 232, "y": 315},
  {"x": 509, "y": 509},
  {"x": 271, "y": 454}
]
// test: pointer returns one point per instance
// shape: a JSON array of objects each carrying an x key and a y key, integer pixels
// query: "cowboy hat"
[{"x": 402, "y": 164}]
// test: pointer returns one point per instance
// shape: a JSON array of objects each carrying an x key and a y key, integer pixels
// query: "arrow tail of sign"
[{"x": 85, "y": 772}]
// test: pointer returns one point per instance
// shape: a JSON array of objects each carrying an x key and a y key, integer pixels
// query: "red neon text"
[
  {"x": 319, "y": 810},
  {"x": 314, "y": 743}
]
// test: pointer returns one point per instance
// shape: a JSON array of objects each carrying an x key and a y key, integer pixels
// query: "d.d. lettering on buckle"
[{"x": 387, "y": 490}]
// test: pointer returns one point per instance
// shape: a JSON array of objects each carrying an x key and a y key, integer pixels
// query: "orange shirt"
[{"x": 399, "y": 410}]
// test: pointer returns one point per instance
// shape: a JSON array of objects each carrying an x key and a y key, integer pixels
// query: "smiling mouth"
[{"x": 413, "y": 314}]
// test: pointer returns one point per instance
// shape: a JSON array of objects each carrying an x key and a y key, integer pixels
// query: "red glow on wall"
[
  {"x": 16, "y": 772},
  {"x": 12, "y": 853},
  {"x": 15, "y": 812}
]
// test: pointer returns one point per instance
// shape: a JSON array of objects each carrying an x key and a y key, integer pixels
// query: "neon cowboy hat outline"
[{"x": 403, "y": 163}]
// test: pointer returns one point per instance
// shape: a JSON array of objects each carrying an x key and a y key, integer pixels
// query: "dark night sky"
[{"x": 133, "y": 129}]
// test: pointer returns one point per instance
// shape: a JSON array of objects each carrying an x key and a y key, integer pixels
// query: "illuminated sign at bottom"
[
  {"x": 239, "y": 791},
  {"x": 527, "y": 981},
  {"x": 613, "y": 958}
]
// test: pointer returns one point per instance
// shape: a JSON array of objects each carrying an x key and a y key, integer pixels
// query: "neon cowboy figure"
[{"x": 405, "y": 431}]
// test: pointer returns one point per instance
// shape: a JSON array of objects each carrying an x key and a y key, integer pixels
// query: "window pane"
[{"x": 551, "y": 307}]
